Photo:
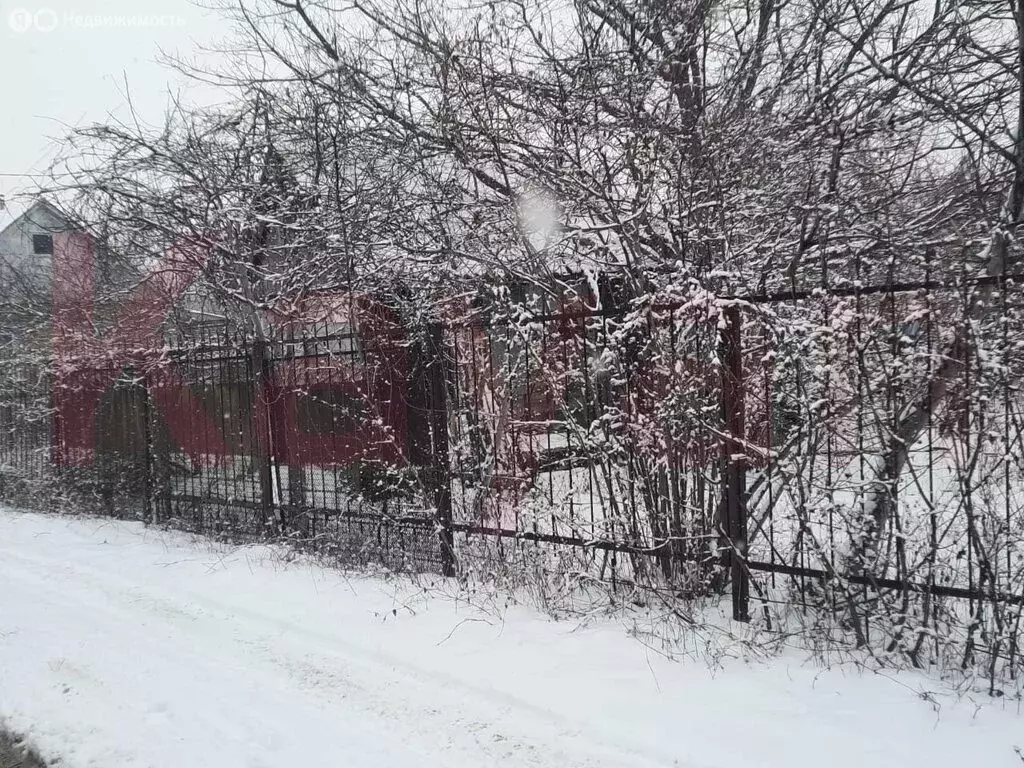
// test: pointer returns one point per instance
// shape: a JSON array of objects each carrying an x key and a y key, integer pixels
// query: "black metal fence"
[{"x": 849, "y": 458}]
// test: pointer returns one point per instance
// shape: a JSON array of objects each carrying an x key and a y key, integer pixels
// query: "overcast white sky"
[{"x": 65, "y": 63}]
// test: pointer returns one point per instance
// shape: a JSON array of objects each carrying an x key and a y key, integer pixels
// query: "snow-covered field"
[{"x": 126, "y": 646}]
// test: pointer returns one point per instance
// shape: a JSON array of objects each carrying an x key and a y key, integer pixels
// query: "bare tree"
[{"x": 806, "y": 150}]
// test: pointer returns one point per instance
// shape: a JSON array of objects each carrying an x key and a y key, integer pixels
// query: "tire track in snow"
[{"x": 326, "y": 673}]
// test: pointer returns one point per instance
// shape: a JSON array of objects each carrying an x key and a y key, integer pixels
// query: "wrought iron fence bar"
[
  {"x": 939, "y": 590},
  {"x": 609, "y": 545},
  {"x": 776, "y": 297}
]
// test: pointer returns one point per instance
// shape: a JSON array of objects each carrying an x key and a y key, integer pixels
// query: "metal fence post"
[
  {"x": 734, "y": 502},
  {"x": 440, "y": 468},
  {"x": 149, "y": 492},
  {"x": 263, "y": 448}
]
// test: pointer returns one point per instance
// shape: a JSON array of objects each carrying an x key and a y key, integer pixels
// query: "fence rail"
[{"x": 757, "y": 445}]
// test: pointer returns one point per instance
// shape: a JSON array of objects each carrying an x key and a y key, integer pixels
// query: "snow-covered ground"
[{"x": 126, "y": 646}]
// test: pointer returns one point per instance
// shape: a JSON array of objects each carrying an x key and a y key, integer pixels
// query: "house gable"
[{"x": 26, "y": 249}]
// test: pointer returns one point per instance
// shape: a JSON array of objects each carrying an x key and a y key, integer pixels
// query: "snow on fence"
[{"x": 848, "y": 458}]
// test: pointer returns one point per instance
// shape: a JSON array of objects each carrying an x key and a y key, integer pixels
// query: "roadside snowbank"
[{"x": 126, "y": 646}]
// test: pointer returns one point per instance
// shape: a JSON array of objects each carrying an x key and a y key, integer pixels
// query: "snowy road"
[{"x": 126, "y": 647}]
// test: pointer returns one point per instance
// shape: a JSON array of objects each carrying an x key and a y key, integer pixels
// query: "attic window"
[{"x": 42, "y": 244}]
